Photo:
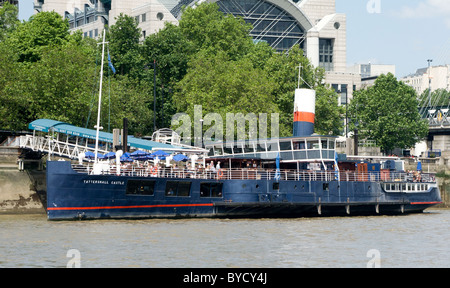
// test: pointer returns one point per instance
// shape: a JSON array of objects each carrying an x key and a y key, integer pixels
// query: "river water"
[{"x": 420, "y": 240}]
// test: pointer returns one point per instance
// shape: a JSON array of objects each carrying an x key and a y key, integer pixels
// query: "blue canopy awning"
[{"x": 48, "y": 125}]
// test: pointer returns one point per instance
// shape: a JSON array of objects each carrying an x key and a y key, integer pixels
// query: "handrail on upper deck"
[{"x": 264, "y": 174}]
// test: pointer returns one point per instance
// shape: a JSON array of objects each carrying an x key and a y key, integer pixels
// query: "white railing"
[
  {"x": 260, "y": 174},
  {"x": 55, "y": 147}
]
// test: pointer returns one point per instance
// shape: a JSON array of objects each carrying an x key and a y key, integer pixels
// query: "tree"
[
  {"x": 223, "y": 86},
  {"x": 328, "y": 120},
  {"x": 211, "y": 30},
  {"x": 124, "y": 46},
  {"x": 171, "y": 50},
  {"x": 439, "y": 98},
  {"x": 283, "y": 68},
  {"x": 61, "y": 84},
  {"x": 8, "y": 19},
  {"x": 387, "y": 113},
  {"x": 129, "y": 99},
  {"x": 13, "y": 97},
  {"x": 44, "y": 29}
]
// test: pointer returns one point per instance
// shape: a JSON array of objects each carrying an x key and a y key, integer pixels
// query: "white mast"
[{"x": 99, "y": 98}]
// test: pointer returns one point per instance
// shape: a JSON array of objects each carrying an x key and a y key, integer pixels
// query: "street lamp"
[{"x": 429, "y": 82}]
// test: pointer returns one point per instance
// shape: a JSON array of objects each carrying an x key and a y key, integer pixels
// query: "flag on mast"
[{"x": 110, "y": 64}]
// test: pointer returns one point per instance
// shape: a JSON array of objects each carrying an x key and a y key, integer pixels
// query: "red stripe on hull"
[
  {"x": 127, "y": 207},
  {"x": 426, "y": 203}
]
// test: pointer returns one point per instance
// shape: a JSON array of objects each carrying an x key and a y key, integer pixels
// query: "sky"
[{"x": 405, "y": 33}]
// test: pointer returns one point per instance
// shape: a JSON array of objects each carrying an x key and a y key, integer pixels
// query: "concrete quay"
[{"x": 20, "y": 189}]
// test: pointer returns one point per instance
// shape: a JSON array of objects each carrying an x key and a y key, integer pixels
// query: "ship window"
[
  {"x": 171, "y": 188},
  {"x": 218, "y": 150},
  {"x": 325, "y": 186},
  {"x": 276, "y": 186},
  {"x": 248, "y": 148},
  {"x": 178, "y": 188},
  {"x": 313, "y": 144},
  {"x": 285, "y": 146},
  {"x": 261, "y": 147},
  {"x": 272, "y": 146},
  {"x": 140, "y": 187},
  {"x": 227, "y": 150},
  {"x": 331, "y": 144},
  {"x": 184, "y": 189},
  {"x": 324, "y": 144},
  {"x": 211, "y": 189}
]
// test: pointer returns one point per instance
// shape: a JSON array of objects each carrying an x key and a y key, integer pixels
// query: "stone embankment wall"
[
  {"x": 18, "y": 189},
  {"x": 444, "y": 186}
]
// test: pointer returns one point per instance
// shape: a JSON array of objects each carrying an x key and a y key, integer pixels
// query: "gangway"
[{"x": 65, "y": 140}]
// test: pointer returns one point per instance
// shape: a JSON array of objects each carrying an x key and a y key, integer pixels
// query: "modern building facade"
[
  {"x": 312, "y": 24},
  {"x": 436, "y": 77},
  {"x": 91, "y": 16},
  {"x": 14, "y": 2}
]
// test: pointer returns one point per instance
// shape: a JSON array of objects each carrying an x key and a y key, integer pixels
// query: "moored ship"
[
  {"x": 73, "y": 192},
  {"x": 283, "y": 177},
  {"x": 278, "y": 177}
]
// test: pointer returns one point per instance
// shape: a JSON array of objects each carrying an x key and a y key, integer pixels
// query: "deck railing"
[{"x": 263, "y": 174}]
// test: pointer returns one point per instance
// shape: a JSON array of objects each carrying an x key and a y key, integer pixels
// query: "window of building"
[
  {"x": 143, "y": 17},
  {"x": 344, "y": 94},
  {"x": 326, "y": 54},
  {"x": 270, "y": 23}
]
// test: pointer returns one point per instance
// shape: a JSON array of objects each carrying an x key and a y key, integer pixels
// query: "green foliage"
[
  {"x": 44, "y": 29},
  {"x": 8, "y": 19},
  {"x": 223, "y": 86},
  {"x": 209, "y": 59},
  {"x": 328, "y": 112},
  {"x": 439, "y": 98},
  {"x": 129, "y": 99},
  {"x": 124, "y": 46},
  {"x": 387, "y": 112},
  {"x": 171, "y": 50},
  {"x": 213, "y": 31},
  {"x": 55, "y": 84}
]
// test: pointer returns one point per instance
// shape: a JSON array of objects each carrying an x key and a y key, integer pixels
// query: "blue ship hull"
[{"x": 73, "y": 195}]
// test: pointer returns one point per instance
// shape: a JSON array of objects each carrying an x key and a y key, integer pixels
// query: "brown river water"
[{"x": 420, "y": 240}]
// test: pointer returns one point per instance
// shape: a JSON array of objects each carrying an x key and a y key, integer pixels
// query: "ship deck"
[{"x": 261, "y": 174}]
